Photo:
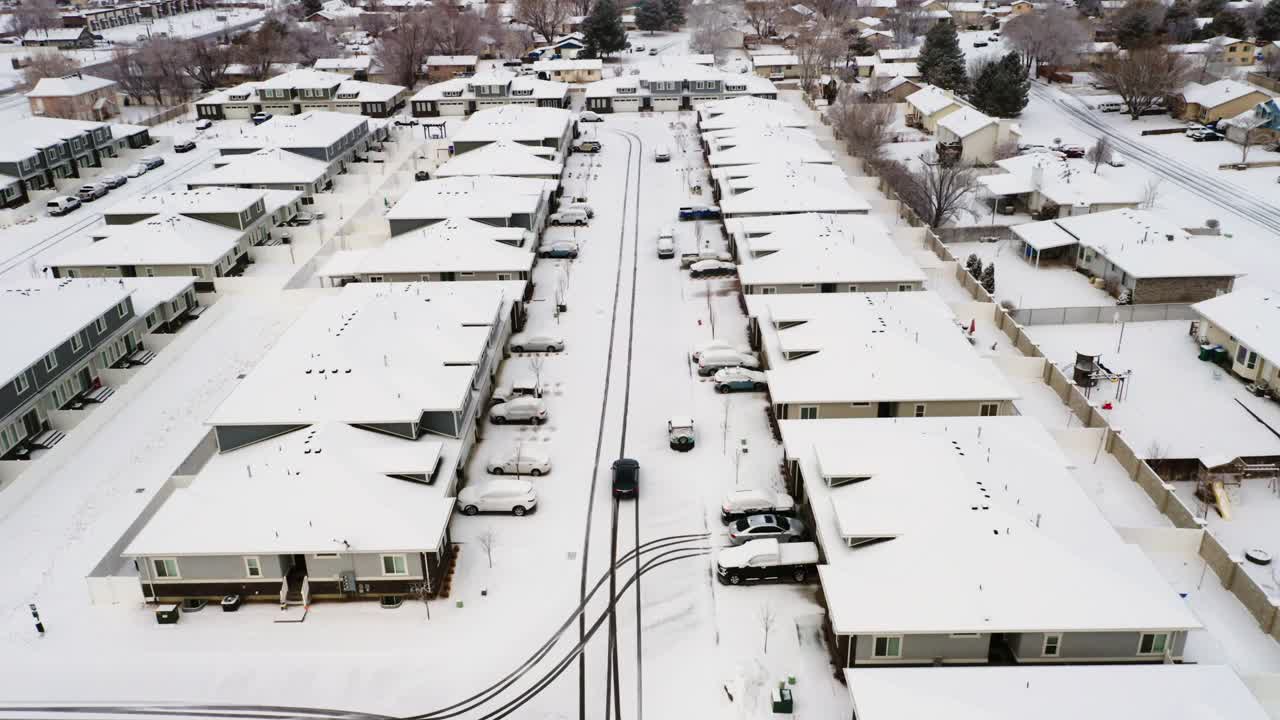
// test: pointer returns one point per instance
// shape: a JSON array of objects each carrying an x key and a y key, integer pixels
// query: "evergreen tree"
[
  {"x": 1180, "y": 22},
  {"x": 649, "y": 16},
  {"x": 1209, "y": 8},
  {"x": 941, "y": 59},
  {"x": 1230, "y": 24},
  {"x": 603, "y": 30},
  {"x": 989, "y": 278},
  {"x": 1268, "y": 25},
  {"x": 973, "y": 265},
  {"x": 674, "y": 11},
  {"x": 310, "y": 7},
  {"x": 1000, "y": 90}
]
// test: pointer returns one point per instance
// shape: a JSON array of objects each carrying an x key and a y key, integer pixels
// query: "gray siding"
[
  {"x": 1118, "y": 646},
  {"x": 404, "y": 430},
  {"x": 925, "y": 649},
  {"x": 443, "y": 422},
  {"x": 231, "y": 437}
]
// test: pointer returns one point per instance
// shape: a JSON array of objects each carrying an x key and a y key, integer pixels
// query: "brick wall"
[{"x": 1180, "y": 290}]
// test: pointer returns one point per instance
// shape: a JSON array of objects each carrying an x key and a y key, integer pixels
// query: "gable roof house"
[
  {"x": 356, "y": 67},
  {"x": 784, "y": 189},
  {"x": 69, "y": 38},
  {"x": 1233, "y": 51},
  {"x": 1216, "y": 101},
  {"x": 570, "y": 71},
  {"x": 270, "y": 169},
  {"x": 972, "y": 137},
  {"x": 446, "y": 67},
  {"x": 776, "y": 67},
  {"x": 1021, "y": 564},
  {"x": 504, "y": 202},
  {"x": 330, "y": 138},
  {"x": 302, "y": 91},
  {"x": 466, "y": 95},
  {"x": 74, "y": 97},
  {"x": 456, "y": 249},
  {"x": 504, "y": 157},
  {"x": 824, "y": 352},
  {"x": 663, "y": 88},
  {"x": 752, "y": 145},
  {"x": 1247, "y": 323},
  {"x": 36, "y": 151},
  {"x": 927, "y": 106},
  {"x": 748, "y": 111},
  {"x": 549, "y": 128},
  {"x": 1051, "y": 187}
]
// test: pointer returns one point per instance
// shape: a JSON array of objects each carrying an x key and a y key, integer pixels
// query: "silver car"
[{"x": 766, "y": 527}]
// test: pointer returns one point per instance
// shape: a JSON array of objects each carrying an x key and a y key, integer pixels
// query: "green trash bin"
[
  {"x": 1220, "y": 354},
  {"x": 1206, "y": 353},
  {"x": 782, "y": 702}
]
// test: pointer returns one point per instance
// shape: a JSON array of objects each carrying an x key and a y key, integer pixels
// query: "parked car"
[
  {"x": 261, "y": 117},
  {"x": 1117, "y": 160},
  {"x": 766, "y": 527},
  {"x": 579, "y": 205},
  {"x": 185, "y": 146},
  {"x": 666, "y": 242},
  {"x": 680, "y": 433},
  {"x": 1204, "y": 135},
  {"x": 1072, "y": 151},
  {"x": 589, "y": 116},
  {"x": 521, "y": 387},
  {"x": 662, "y": 153},
  {"x": 406, "y": 122},
  {"x": 766, "y": 560},
  {"x": 741, "y": 503},
  {"x": 699, "y": 212},
  {"x": 529, "y": 410},
  {"x": 536, "y": 342},
  {"x": 136, "y": 170},
  {"x": 710, "y": 362},
  {"x": 653, "y": 51},
  {"x": 714, "y": 345},
  {"x": 421, "y": 176},
  {"x": 152, "y": 161},
  {"x": 519, "y": 462},
  {"x": 113, "y": 181},
  {"x": 739, "y": 378},
  {"x": 61, "y": 205},
  {"x": 204, "y": 124},
  {"x": 303, "y": 218},
  {"x": 979, "y": 43},
  {"x": 91, "y": 191},
  {"x": 507, "y": 495},
  {"x": 626, "y": 478},
  {"x": 712, "y": 268},
  {"x": 558, "y": 249},
  {"x": 571, "y": 216},
  {"x": 587, "y": 146}
]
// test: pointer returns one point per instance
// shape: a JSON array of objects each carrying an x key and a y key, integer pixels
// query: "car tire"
[
  {"x": 549, "y": 348},
  {"x": 539, "y": 421},
  {"x": 722, "y": 388},
  {"x": 470, "y": 510},
  {"x": 735, "y": 579},
  {"x": 498, "y": 420},
  {"x": 799, "y": 575},
  {"x": 535, "y": 472},
  {"x": 517, "y": 348},
  {"x": 495, "y": 471},
  {"x": 758, "y": 387},
  {"x": 518, "y": 511}
]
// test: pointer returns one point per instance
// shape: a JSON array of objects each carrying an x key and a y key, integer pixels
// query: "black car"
[
  {"x": 626, "y": 478},
  {"x": 184, "y": 146},
  {"x": 406, "y": 122}
]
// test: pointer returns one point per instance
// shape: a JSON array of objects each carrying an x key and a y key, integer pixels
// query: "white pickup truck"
[
  {"x": 741, "y": 503},
  {"x": 766, "y": 560}
]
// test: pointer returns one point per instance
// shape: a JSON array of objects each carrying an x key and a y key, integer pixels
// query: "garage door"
[
  {"x": 666, "y": 104},
  {"x": 455, "y": 107},
  {"x": 278, "y": 109},
  {"x": 626, "y": 104},
  {"x": 696, "y": 101},
  {"x": 237, "y": 112}
]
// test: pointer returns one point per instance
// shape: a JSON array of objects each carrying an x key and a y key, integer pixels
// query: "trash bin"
[
  {"x": 1206, "y": 352},
  {"x": 167, "y": 614},
  {"x": 231, "y": 603},
  {"x": 1220, "y": 354},
  {"x": 782, "y": 702}
]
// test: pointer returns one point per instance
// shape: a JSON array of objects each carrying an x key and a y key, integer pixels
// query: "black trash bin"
[
  {"x": 167, "y": 614},
  {"x": 231, "y": 603}
]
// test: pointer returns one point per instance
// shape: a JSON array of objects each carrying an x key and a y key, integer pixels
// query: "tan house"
[
  {"x": 1216, "y": 101},
  {"x": 1247, "y": 323},
  {"x": 1022, "y": 7},
  {"x": 899, "y": 89},
  {"x": 75, "y": 97},
  {"x": 1233, "y": 51},
  {"x": 973, "y": 136},
  {"x": 928, "y": 106},
  {"x": 776, "y": 67},
  {"x": 447, "y": 67}
]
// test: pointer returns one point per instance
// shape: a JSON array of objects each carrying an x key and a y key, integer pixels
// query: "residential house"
[
  {"x": 737, "y": 179},
  {"x": 271, "y": 169},
  {"x": 456, "y": 249},
  {"x": 329, "y": 137},
  {"x": 1139, "y": 256},
  {"x": 762, "y": 143},
  {"x": 565, "y": 47},
  {"x": 877, "y": 39},
  {"x": 335, "y": 11},
  {"x": 356, "y": 67},
  {"x": 74, "y": 97},
  {"x": 748, "y": 111},
  {"x": 1095, "y": 54},
  {"x": 252, "y": 211},
  {"x": 897, "y": 55},
  {"x": 972, "y": 137},
  {"x": 823, "y": 354},
  {"x": 776, "y": 67},
  {"x": 1233, "y": 51},
  {"x": 1247, "y": 323},
  {"x": 464, "y": 96},
  {"x": 507, "y": 158},
  {"x": 36, "y": 152},
  {"x": 343, "y": 411},
  {"x": 303, "y": 91},
  {"x": 673, "y": 87},
  {"x": 1031, "y": 572},
  {"x": 927, "y": 106},
  {"x": 499, "y": 201},
  {"x": 1022, "y": 7},
  {"x": 569, "y": 71},
  {"x": 1260, "y": 124},
  {"x": 884, "y": 73},
  {"x": 546, "y": 128},
  {"x": 1216, "y": 101},
  {"x": 772, "y": 188},
  {"x": 447, "y": 67},
  {"x": 1050, "y": 187},
  {"x": 71, "y": 38},
  {"x": 900, "y": 88},
  {"x": 103, "y": 18}
]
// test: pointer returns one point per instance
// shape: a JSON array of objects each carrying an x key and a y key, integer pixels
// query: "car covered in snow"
[
  {"x": 732, "y": 379},
  {"x": 699, "y": 212},
  {"x": 680, "y": 433},
  {"x": 762, "y": 560},
  {"x": 519, "y": 462},
  {"x": 113, "y": 181},
  {"x": 579, "y": 204},
  {"x": 587, "y": 146},
  {"x": 717, "y": 344},
  {"x": 136, "y": 170},
  {"x": 712, "y": 268},
  {"x": 558, "y": 249},
  {"x": 530, "y": 410},
  {"x": 507, "y": 495},
  {"x": 536, "y": 342},
  {"x": 741, "y": 503},
  {"x": 569, "y": 216},
  {"x": 589, "y": 116},
  {"x": 711, "y": 361},
  {"x": 766, "y": 527},
  {"x": 519, "y": 387}
]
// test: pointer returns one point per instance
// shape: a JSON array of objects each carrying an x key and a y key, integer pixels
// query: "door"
[
  {"x": 828, "y": 287},
  {"x": 626, "y": 104},
  {"x": 31, "y": 423},
  {"x": 886, "y": 409},
  {"x": 86, "y": 379},
  {"x": 128, "y": 271},
  {"x": 447, "y": 277}
]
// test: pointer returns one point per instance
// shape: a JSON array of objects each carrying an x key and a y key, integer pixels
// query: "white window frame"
[
  {"x": 404, "y": 562},
  {"x": 100, "y": 325},
  {"x": 504, "y": 277},
  {"x": 802, "y": 412},
  {"x": 50, "y": 362},
  {"x": 875, "y": 640},
  {"x": 159, "y": 567},
  {"x": 1056, "y": 639},
  {"x": 20, "y": 383},
  {"x": 921, "y": 410},
  {"x": 122, "y": 309},
  {"x": 766, "y": 290},
  {"x": 252, "y": 566},
  {"x": 1153, "y": 636},
  {"x": 77, "y": 342},
  {"x": 983, "y": 407},
  {"x": 965, "y": 636}
]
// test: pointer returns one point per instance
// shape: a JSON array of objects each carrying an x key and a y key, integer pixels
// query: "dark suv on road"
[{"x": 626, "y": 478}]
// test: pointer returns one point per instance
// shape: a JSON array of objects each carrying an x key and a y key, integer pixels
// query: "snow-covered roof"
[
  {"x": 898, "y": 82},
  {"x": 759, "y": 144},
  {"x": 858, "y": 250},
  {"x": 166, "y": 239},
  {"x": 731, "y": 84},
  {"x": 182, "y": 202},
  {"x": 483, "y": 196},
  {"x": 1250, "y": 315},
  {"x": 454, "y": 245},
  {"x": 503, "y": 157},
  {"x": 1218, "y": 93},
  {"x": 516, "y": 123},
  {"x": 69, "y": 86},
  {"x": 835, "y": 352},
  {"x": 451, "y": 60},
  {"x": 147, "y": 293},
  {"x": 787, "y": 189},
  {"x": 931, "y": 99},
  {"x": 895, "y": 69},
  {"x": 303, "y": 78},
  {"x": 690, "y": 59},
  {"x": 269, "y": 166},
  {"x": 373, "y": 353},
  {"x": 564, "y": 64},
  {"x": 320, "y": 489},
  {"x": 519, "y": 87},
  {"x": 1062, "y": 182},
  {"x": 980, "y": 511},
  {"x": 1142, "y": 244},
  {"x": 1059, "y": 692},
  {"x": 1223, "y": 41},
  {"x": 55, "y": 34},
  {"x": 737, "y": 179},
  {"x": 774, "y": 60},
  {"x": 748, "y": 111},
  {"x": 41, "y": 315},
  {"x": 965, "y": 122},
  {"x": 24, "y": 137},
  {"x": 315, "y": 128},
  {"x": 355, "y": 62},
  {"x": 893, "y": 55}
]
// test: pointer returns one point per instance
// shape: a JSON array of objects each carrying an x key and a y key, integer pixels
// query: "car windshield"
[{"x": 742, "y": 524}]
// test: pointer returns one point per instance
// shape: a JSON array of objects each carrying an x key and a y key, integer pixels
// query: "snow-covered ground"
[
  {"x": 1254, "y": 505},
  {"x": 1027, "y": 286}
]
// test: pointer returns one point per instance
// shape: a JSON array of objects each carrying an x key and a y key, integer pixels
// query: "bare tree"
[
  {"x": 709, "y": 30},
  {"x": 452, "y": 31},
  {"x": 402, "y": 51},
  {"x": 1252, "y": 133},
  {"x": 374, "y": 23},
  {"x": 204, "y": 61},
  {"x": 863, "y": 126},
  {"x": 536, "y": 362},
  {"x": 767, "y": 619},
  {"x": 833, "y": 12},
  {"x": 167, "y": 82},
  {"x": 306, "y": 45},
  {"x": 1151, "y": 193},
  {"x": 762, "y": 16},
  {"x": 544, "y": 17},
  {"x": 488, "y": 541},
  {"x": 1099, "y": 153},
  {"x": 34, "y": 15},
  {"x": 1053, "y": 36},
  {"x": 45, "y": 64},
  {"x": 1144, "y": 78},
  {"x": 263, "y": 48},
  {"x": 939, "y": 192},
  {"x": 1271, "y": 64},
  {"x": 908, "y": 22},
  {"x": 127, "y": 71}
]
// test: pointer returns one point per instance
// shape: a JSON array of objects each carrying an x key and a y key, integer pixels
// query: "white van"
[
  {"x": 666, "y": 243},
  {"x": 62, "y": 205},
  {"x": 662, "y": 153},
  {"x": 1110, "y": 106}
]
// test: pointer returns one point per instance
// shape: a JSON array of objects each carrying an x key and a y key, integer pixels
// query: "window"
[
  {"x": 808, "y": 412},
  {"x": 768, "y": 291},
  {"x": 50, "y": 362},
  {"x": 504, "y": 276},
  {"x": 902, "y": 287},
  {"x": 20, "y": 384},
  {"x": 887, "y": 646},
  {"x": 962, "y": 636},
  {"x": 76, "y": 343},
  {"x": 989, "y": 409},
  {"x": 1153, "y": 643},
  {"x": 122, "y": 309},
  {"x": 252, "y": 567},
  {"x": 1052, "y": 645},
  {"x": 1246, "y": 357},
  {"x": 394, "y": 565},
  {"x": 165, "y": 567},
  {"x": 375, "y": 278},
  {"x": 920, "y": 408},
  {"x": 320, "y": 556}
]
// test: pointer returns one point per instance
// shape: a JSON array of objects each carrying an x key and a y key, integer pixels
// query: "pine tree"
[
  {"x": 942, "y": 61},
  {"x": 603, "y": 30},
  {"x": 1000, "y": 90},
  {"x": 973, "y": 265},
  {"x": 649, "y": 16},
  {"x": 1228, "y": 23},
  {"x": 674, "y": 11},
  {"x": 310, "y": 7},
  {"x": 1268, "y": 25},
  {"x": 989, "y": 278}
]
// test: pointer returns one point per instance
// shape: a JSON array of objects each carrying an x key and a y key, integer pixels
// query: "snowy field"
[{"x": 1027, "y": 286}]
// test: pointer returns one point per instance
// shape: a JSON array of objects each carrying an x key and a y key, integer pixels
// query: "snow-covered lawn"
[
  {"x": 1027, "y": 286},
  {"x": 1255, "y": 509}
]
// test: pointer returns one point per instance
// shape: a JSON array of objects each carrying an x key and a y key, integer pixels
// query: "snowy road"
[{"x": 1225, "y": 195}]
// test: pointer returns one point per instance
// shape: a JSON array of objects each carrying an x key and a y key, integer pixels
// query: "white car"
[
  {"x": 508, "y": 496},
  {"x": 519, "y": 462},
  {"x": 136, "y": 170},
  {"x": 712, "y": 268},
  {"x": 1116, "y": 160},
  {"x": 204, "y": 124},
  {"x": 520, "y": 387},
  {"x": 717, "y": 345},
  {"x": 588, "y": 116},
  {"x": 710, "y": 362},
  {"x": 569, "y": 216},
  {"x": 579, "y": 205},
  {"x": 534, "y": 342},
  {"x": 519, "y": 410},
  {"x": 741, "y": 503},
  {"x": 739, "y": 378}
]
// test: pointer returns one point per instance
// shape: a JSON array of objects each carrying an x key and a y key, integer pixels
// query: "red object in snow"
[
  {"x": 1106, "y": 406},
  {"x": 973, "y": 326}
]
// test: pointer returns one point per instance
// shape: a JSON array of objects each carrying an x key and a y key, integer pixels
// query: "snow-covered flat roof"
[
  {"x": 903, "y": 69},
  {"x": 690, "y": 59},
  {"x": 523, "y": 87},
  {"x": 774, "y": 60},
  {"x": 966, "y": 121},
  {"x": 1064, "y": 183},
  {"x": 22, "y": 138},
  {"x": 779, "y": 109},
  {"x": 820, "y": 249},
  {"x": 355, "y": 62},
  {"x": 567, "y": 64},
  {"x": 199, "y": 200},
  {"x": 455, "y": 245},
  {"x": 764, "y": 149},
  {"x": 163, "y": 239},
  {"x": 891, "y": 55},
  {"x": 317, "y": 489},
  {"x": 503, "y": 157},
  {"x": 69, "y": 86},
  {"x": 55, "y": 34},
  {"x": 981, "y": 511},
  {"x": 316, "y": 128},
  {"x": 40, "y": 315},
  {"x": 303, "y": 78},
  {"x": 373, "y": 353},
  {"x": 838, "y": 342},
  {"x": 515, "y": 123},
  {"x": 483, "y": 196},
  {"x": 740, "y": 178},
  {"x": 1250, "y": 315},
  {"x": 1059, "y": 692},
  {"x": 451, "y": 60},
  {"x": 268, "y": 166},
  {"x": 795, "y": 194},
  {"x": 1217, "y": 93},
  {"x": 930, "y": 99}
]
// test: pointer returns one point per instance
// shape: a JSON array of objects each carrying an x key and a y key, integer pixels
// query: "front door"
[
  {"x": 447, "y": 276},
  {"x": 828, "y": 287},
  {"x": 886, "y": 409},
  {"x": 31, "y": 423},
  {"x": 86, "y": 379}
]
